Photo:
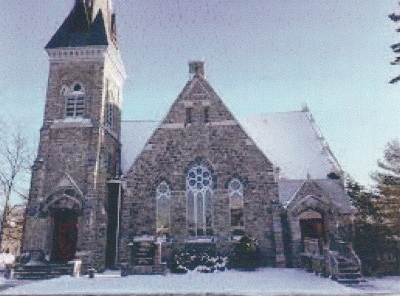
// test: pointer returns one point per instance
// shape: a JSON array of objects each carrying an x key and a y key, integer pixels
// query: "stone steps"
[
  {"x": 349, "y": 272},
  {"x": 45, "y": 271}
]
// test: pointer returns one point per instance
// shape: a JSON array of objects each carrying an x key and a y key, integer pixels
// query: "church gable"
[
  {"x": 198, "y": 104},
  {"x": 323, "y": 195},
  {"x": 218, "y": 181}
]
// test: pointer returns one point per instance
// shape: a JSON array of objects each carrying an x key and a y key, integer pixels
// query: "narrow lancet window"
[
  {"x": 235, "y": 188},
  {"x": 206, "y": 114},
  {"x": 110, "y": 109},
  {"x": 189, "y": 118},
  {"x": 163, "y": 196}
]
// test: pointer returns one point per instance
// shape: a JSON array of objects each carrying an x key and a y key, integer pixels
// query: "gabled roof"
[
  {"x": 288, "y": 190},
  {"x": 289, "y": 139},
  {"x": 79, "y": 29},
  {"x": 293, "y": 142}
]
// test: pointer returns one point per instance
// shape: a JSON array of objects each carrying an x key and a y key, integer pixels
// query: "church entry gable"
[{"x": 314, "y": 219}]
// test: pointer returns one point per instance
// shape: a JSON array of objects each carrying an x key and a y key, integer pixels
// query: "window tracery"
[
  {"x": 235, "y": 188},
  {"x": 199, "y": 200}
]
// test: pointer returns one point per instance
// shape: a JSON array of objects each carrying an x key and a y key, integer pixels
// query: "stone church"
[{"x": 102, "y": 189}]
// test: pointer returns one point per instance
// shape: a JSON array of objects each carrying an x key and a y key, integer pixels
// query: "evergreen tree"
[
  {"x": 388, "y": 175},
  {"x": 395, "y": 47},
  {"x": 364, "y": 200}
]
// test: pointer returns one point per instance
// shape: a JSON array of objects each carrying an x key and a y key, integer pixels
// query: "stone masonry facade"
[
  {"x": 79, "y": 149},
  {"x": 217, "y": 143}
]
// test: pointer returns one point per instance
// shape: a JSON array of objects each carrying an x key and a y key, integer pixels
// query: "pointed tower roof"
[{"x": 89, "y": 23}]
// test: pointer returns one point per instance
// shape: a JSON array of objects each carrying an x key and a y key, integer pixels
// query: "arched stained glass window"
[
  {"x": 163, "y": 196},
  {"x": 199, "y": 200},
  {"x": 235, "y": 188}
]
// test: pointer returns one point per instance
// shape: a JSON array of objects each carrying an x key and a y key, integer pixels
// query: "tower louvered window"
[
  {"x": 75, "y": 101},
  {"x": 199, "y": 201}
]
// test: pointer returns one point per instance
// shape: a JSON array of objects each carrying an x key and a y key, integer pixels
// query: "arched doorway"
[
  {"x": 312, "y": 231},
  {"x": 64, "y": 206},
  {"x": 65, "y": 234}
]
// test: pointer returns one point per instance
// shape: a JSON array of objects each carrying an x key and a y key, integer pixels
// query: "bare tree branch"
[{"x": 15, "y": 161}]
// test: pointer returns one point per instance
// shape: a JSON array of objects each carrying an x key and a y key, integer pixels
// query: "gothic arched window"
[
  {"x": 199, "y": 200},
  {"x": 235, "y": 188},
  {"x": 163, "y": 196},
  {"x": 74, "y": 100}
]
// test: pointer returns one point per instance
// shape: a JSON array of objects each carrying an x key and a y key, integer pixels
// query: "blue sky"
[{"x": 261, "y": 56}]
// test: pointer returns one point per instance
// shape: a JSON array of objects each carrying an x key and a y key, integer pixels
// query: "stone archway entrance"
[
  {"x": 65, "y": 235},
  {"x": 64, "y": 206},
  {"x": 312, "y": 232}
]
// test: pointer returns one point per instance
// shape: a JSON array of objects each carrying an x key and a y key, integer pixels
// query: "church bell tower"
[{"x": 72, "y": 204}]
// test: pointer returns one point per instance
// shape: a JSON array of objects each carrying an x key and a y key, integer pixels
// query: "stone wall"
[{"x": 218, "y": 143}]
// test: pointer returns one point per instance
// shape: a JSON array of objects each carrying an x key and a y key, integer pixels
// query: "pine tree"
[
  {"x": 395, "y": 47},
  {"x": 365, "y": 202},
  {"x": 388, "y": 175},
  {"x": 377, "y": 222}
]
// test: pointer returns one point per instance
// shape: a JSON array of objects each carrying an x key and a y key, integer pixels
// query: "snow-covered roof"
[
  {"x": 291, "y": 140},
  {"x": 288, "y": 189},
  {"x": 333, "y": 189}
]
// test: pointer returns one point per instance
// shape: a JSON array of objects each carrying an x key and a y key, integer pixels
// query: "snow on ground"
[
  {"x": 388, "y": 283},
  {"x": 266, "y": 281}
]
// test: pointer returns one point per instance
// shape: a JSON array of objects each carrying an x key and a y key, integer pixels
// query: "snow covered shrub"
[{"x": 195, "y": 260}]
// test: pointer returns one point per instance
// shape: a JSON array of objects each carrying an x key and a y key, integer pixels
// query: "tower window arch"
[
  {"x": 74, "y": 100},
  {"x": 163, "y": 199},
  {"x": 199, "y": 200}
]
